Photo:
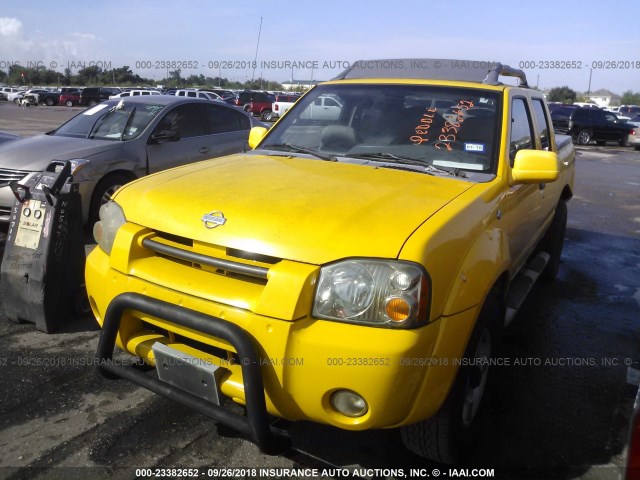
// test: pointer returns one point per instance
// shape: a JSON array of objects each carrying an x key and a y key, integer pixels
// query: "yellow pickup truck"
[{"x": 354, "y": 268}]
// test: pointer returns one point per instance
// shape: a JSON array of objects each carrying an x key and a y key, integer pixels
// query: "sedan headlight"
[
  {"x": 104, "y": 231},
  {"x": 383, "y": 293}
]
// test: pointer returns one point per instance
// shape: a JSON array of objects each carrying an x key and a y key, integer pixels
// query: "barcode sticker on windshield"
[{"x": 473, "y": 147}]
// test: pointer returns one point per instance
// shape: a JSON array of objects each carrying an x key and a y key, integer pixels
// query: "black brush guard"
[{"x": 255, "y": 425}]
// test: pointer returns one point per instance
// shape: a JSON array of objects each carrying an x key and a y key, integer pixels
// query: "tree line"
[
  {"x": 121, "y": 77},
  {"x": 569, "y": 96}
]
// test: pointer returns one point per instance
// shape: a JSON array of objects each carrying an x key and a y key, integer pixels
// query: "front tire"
[
  {"x": 104, "y": 191},
  {"x": 267, "y": 115},
  {"x": 69, "y": 103},
  {"x": 93, "y": 103},
  {"x": 448, "y": 435},
  {"x": 49, "y": 102}
]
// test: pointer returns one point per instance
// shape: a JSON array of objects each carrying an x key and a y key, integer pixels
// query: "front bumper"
[{"x": 7, "y": 198}]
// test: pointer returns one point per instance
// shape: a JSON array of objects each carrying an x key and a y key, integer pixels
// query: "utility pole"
[{"x": 255, "y": 60}]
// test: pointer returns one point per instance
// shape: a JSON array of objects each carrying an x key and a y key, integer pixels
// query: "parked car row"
[{"x": 122, "y": 139}]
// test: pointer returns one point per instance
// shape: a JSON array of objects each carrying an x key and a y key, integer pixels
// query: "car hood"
[
  {"x": 301, "y": 209},
  {"x": 35, "y": 153}
]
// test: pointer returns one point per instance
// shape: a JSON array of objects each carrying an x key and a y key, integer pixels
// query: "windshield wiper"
[
  {"x": 298, "y": 149},
  {"x": 390, "y": 158}
]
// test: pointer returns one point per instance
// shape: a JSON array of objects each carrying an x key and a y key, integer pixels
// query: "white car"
[
  {"x": 634, "y": 138},
  {"x": 135, "y": 93},
  {"x": 5, "y": 91},
  {"x": 16, "y": 96}
]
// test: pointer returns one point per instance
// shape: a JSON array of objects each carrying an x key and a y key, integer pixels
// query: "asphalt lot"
[{"x": 560, "y": 409}]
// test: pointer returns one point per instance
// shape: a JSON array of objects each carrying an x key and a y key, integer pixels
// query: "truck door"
[{"x": 524, "y": 213}]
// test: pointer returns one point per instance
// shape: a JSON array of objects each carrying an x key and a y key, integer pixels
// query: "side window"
[
  {"x": 318, "y": 102},
  {"x": 185, "y": 119},
  {"x": 610, "y": 117},
  {"x": 542, "y": 122},
  {"x": 521, "y": 136},
  {"x": 192, "y": 94},
  {"x": 224, "y": 120}
]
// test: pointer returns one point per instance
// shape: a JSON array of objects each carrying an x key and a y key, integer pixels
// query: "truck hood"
[
  {"x": 300, "y": 209},
  {"x": 35, "y": 153}
]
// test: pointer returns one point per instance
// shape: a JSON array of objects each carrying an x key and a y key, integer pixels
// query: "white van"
[
  {"x": 192, "y": 93},
  {"x": 135, "y": 93}
]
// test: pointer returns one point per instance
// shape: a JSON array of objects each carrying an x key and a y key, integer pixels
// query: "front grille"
[
  {"x": 8, "y": 175},
  {"x": 223, "y": 265}
]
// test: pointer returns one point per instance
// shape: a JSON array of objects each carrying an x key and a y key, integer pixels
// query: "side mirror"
[
  {"x": 535, "y": 166},
  {"x": 256, "y": 134},
  {"x": 164, "y": 136}
]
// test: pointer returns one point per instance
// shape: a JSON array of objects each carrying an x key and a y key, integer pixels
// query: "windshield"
[
  {"x": 446, "y": 127},
  {"x": 111, "y": 121}
]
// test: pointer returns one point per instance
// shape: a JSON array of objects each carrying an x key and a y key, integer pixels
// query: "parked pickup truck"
[
  {"x": 353, "y": 269},
  {"x": 279, "y": 107}
]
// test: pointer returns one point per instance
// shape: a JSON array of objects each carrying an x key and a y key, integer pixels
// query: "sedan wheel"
[{"x": 104, "y": 191}]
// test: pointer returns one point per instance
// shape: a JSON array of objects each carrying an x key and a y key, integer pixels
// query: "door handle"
[{"x": 204, "y": 150}]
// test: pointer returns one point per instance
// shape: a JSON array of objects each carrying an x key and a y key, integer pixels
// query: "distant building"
[
  {"x": 299, "y": 84},
  {"x": 605, "y": 98}
]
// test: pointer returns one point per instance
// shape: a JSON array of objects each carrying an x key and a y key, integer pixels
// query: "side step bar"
[{"x": 522, "y": 284}]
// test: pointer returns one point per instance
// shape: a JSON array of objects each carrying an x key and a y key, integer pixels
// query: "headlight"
[
  {"x": 77, "y": 165},
  {"x": 384, "y": 293},
  {"x": 111, "y": 219}
]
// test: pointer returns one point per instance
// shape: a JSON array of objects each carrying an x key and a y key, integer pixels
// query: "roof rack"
[{"x": 486, "y": 72}]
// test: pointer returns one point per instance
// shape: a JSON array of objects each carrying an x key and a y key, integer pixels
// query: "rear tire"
[
  {"x": 583, "y": 137},
  {"x": 448, "y": 435},
  {"x": 49, "y": 102},
  {"x": 553, "y": 242},
  {"x": 624, "y": 141},
  {"x": 69, "y": 103}
]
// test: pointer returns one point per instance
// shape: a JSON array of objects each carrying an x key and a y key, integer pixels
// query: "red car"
[{"x": 70, "y": 99}]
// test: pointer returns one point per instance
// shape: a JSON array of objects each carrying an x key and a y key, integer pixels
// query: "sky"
[{"x": 586, "y": 45}]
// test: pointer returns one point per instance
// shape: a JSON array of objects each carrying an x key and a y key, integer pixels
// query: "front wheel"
[
  {"x": 104, "y": 191},
  {"x": 49, "y": 102},
  {"x": 267, "y": 115},
  {"x": 446, "y": 436},
  {"x": 69, "y": 103},
  {"x": 93, "y": 103}
]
